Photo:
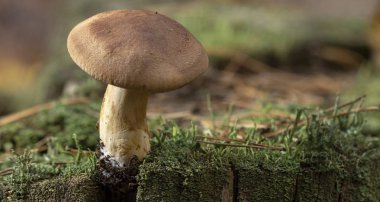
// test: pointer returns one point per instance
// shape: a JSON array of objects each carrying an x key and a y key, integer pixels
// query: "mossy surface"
[
  {"x": 316, "y": 185},
  {"x": 362, "y": 180},
  {"x": 55, "y": 127},
  {"x": 184, "y": 172},
  {"x": 265, "y": 176},
  {"x": 75, "y": 188},
  {"x": 29, "y": 170},
  {"x": 327, "y": 159}
]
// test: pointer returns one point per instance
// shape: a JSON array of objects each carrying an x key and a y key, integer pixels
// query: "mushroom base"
[
  {"x": 117, "y": 180},
  {"x": 120, "y": 152}
]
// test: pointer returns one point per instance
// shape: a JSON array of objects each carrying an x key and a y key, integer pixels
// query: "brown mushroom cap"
[{"x": 137, "y": 49}]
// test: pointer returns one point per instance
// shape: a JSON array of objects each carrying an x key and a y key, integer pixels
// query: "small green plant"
[
  {"x": 28, "y": 167},
  {"x": 25, "y": 172},
  {"x": 55, "y": 124}
]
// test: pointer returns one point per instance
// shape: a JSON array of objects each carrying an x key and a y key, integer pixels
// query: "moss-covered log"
[
  {"x": 205, "y": 180},
  {"x": 76, "y": 188},
  {"x": 261, "y": 184},
  {"x": 185, "y": 183},
  {"x": 317, "y": 185},
  {"x": 362, "y": 182},
  {"x": 328, "y": 160},
  {"x": 184, "y": 172}
]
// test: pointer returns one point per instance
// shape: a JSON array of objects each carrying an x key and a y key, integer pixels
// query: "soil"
[{"x": 119, "y": 182}]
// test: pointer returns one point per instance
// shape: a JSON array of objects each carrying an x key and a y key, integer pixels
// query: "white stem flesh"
[{"x": 122, "y": 125}]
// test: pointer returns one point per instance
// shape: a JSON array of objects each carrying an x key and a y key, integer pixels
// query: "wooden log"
[
  {"x": 185, "y": 183},
  {"x": 187, "y": 174},
  {"x": 75, "y": 188}
]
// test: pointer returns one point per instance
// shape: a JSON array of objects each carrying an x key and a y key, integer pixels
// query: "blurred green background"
[{"x": 319, "y": 42}]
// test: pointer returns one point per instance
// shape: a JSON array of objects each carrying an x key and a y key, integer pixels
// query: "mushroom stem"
[{"x": 122, "y": 125}]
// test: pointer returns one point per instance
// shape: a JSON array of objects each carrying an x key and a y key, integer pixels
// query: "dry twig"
[
  {"x": 244, "y": 143},
  {"x": 35, "y": 109},
  {"x": 6, "y": 172}
]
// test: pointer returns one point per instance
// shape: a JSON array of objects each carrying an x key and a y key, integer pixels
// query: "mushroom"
[{"x": 137, "y": 53}]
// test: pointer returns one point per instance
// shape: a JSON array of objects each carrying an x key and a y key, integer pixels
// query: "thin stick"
[
  {"x": 346, "y": 104},
  {"x": 7, "y": 171},
  {"x": 35, "y": 109},
  {"x": 243, "y": 145},
  {"x": 366, "y": 109},
  {"x": 233, "y": 140},
  {"x": 75, "y": 151}
]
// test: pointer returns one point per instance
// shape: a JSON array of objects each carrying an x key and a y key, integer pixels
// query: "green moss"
[
  {"x": 2, "y": 192},
  {"x": 316, "y": 185},
  {"x": 25, "y": 173},
  {"x": 57, "y": 125},
  {"x": 178, "y": 170},
  {"x": 265, "y": 176},
  {"x": 321, "y": 159},
  {"x": 29, "y": 169},
  {"x": 185, "y": 172},
  {"x": 76, "y": 188},
  {"x": 335, "y": 157},
  {"x": 327, "y": 159},
  {"x": 362, "y": 180}
]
